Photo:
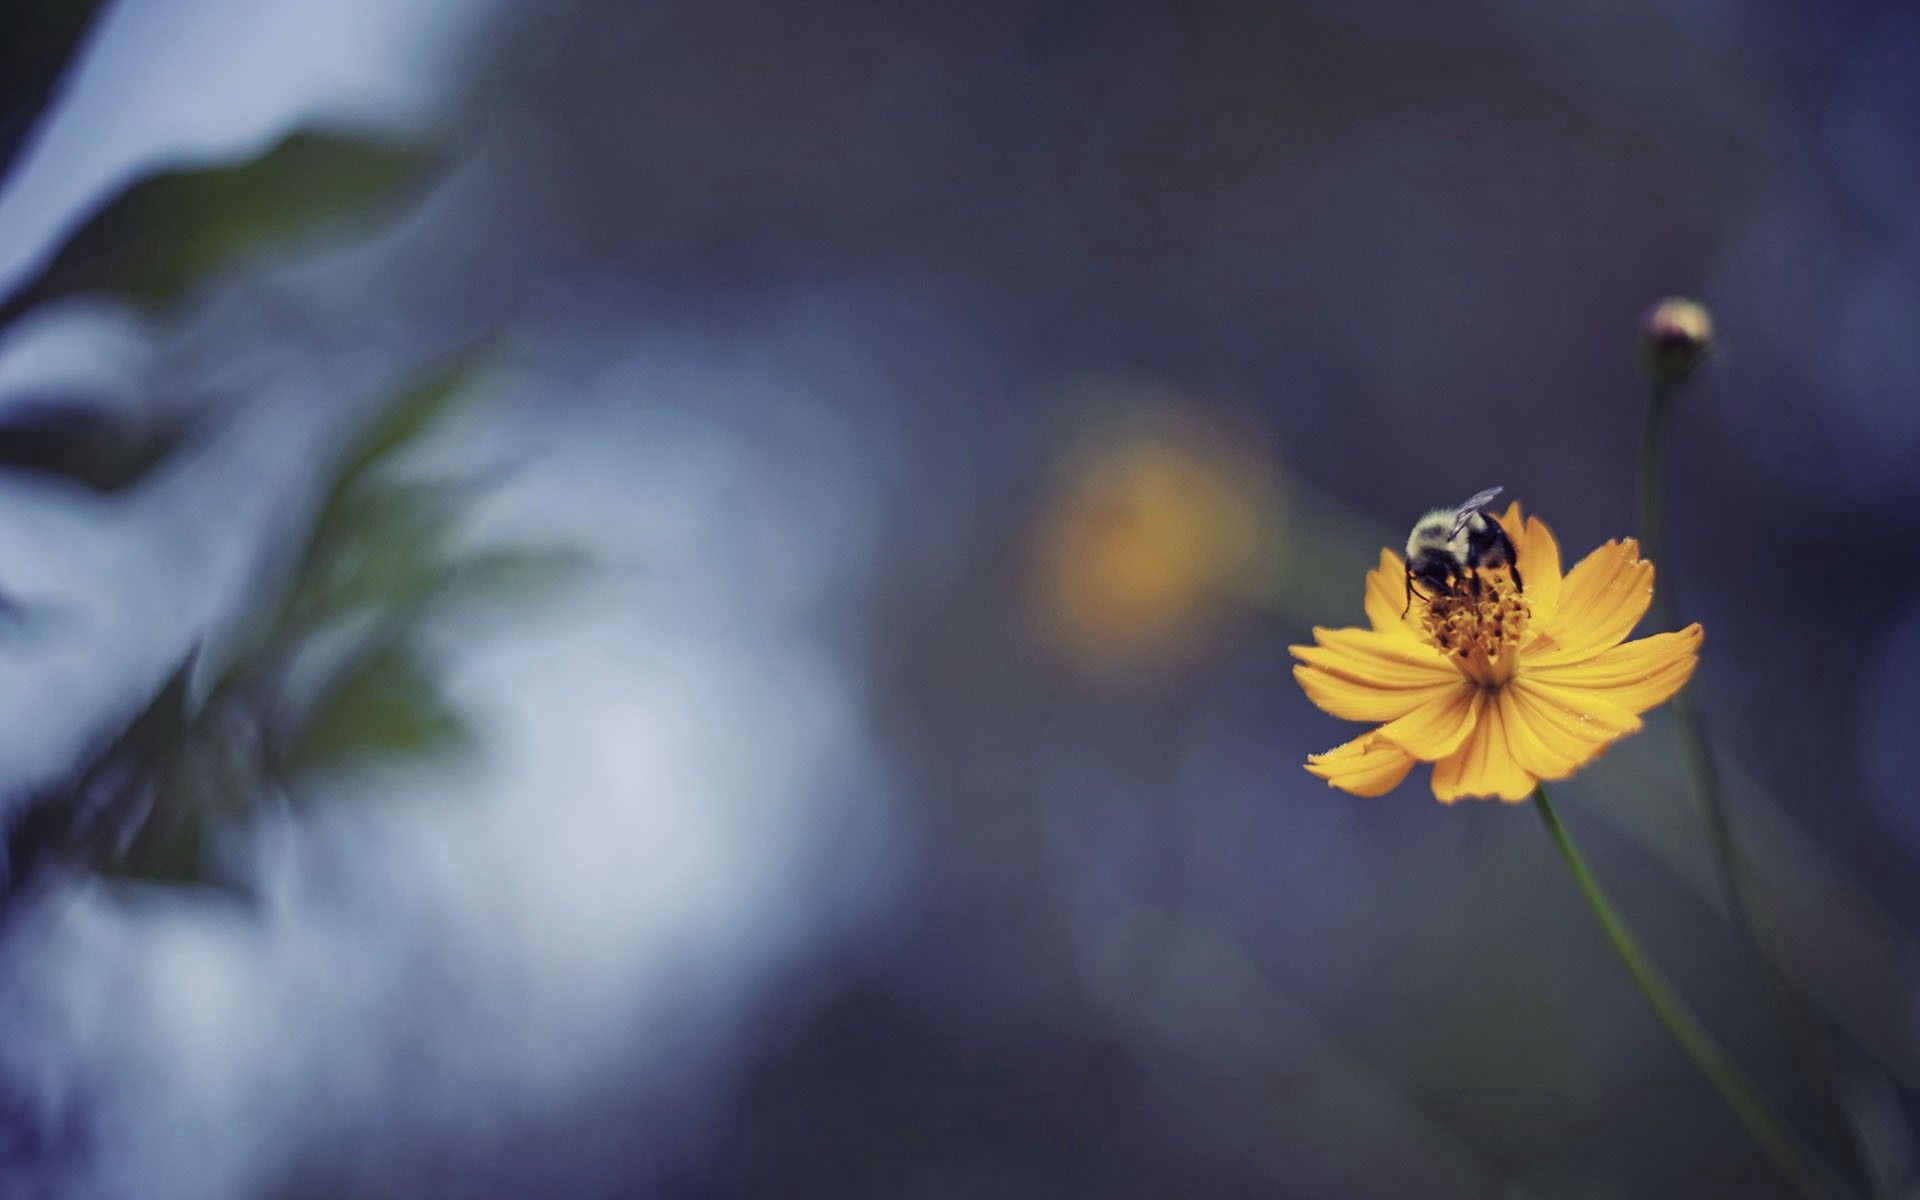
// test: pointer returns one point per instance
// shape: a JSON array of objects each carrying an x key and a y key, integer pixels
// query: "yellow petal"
[
  {"x": 1368, "y": 656},
  {"x": 1539, "y": 568},
  {"x": 1386, "y": 598},
  {"x": 1353, "y": 701},
  {"x": 1636, "y": 675},
  {"x": 1537, "y": 557},
  {"x": 1483, "y": 765},
  {"x": 1365, "y": 766},
  {"x": 1571, "y": 715},
  {"x": 1543, "y": 747},
  {"x": 1436, "y": 728},
  {"x": 1602, "y": 599},
  {"x": 1361, "y": 675}
]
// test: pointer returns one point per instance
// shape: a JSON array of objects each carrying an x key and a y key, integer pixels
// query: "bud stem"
[
  {"x": 1653, "y": 468},
  {"x": 1804, "y": 1034}
]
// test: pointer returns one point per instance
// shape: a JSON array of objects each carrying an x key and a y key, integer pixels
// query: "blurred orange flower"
[
  {"x": 1151, "y": 522},
  {"x": 1497, "y": 690}
]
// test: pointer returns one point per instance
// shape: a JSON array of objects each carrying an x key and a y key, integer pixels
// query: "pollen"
[{"x": 1480, "y": 624}]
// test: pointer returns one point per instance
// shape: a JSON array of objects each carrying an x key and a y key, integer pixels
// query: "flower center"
[{"x": 1479, "y": 624}]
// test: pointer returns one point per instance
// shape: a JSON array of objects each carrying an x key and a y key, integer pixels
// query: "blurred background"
[{"x": 691, "y": 600}]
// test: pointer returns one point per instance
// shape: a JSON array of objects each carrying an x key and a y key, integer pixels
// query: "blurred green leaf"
[
  {"x": 382, "y": 542},
  {"x": 422, "y": 403},
  {"x": 38, "y": 40},
  {"x": 383, "y": 546},
  {"x": 384, "y": 704},
  {"x": 103, "y": 451},
  {"x": 170, "y": 231},
  {"x": 517, "y": 573},
  {"x": 331, "y": 678}
]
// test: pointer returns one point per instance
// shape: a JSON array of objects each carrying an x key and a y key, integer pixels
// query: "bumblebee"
[{"x": 1448, "y": 546}]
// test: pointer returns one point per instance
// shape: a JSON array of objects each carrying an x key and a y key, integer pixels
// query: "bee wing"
[{"x": 1479, "y": 501}]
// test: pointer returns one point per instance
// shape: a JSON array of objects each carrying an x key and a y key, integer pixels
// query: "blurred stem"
[
  {"x": 1701, "y": 767},
  {"x": 1653, "y": 464},
  {"x": 1673, "y": 1012},
  {"x": 1702, "y": 770},
  {"x": 1795, "y": 1013}
]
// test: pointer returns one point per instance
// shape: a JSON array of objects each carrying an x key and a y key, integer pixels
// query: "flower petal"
[
  {"x": 1483, "y": 765},
  {"x": 1365, "y": 766},
  {"x": 1367, "y": 655},
  {"x": 1349, "y": 700},
  {"x": 1361, "y": 675},
  {"x": 1539, "y": 568},
  {"x": 1636, "y": 675},
  {"x": 1543, "y": 746},
  {"x": 1603, "y": 598},
  {"x": 1572, "y": 715},
  {"x": 1386, "y": 598},
  {"x": 1436, "y": 728}
]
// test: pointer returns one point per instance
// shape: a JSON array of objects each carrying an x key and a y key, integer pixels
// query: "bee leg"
[{"x": 1412, "y": 592}]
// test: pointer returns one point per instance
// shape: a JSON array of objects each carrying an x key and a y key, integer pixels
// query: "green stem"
[
  {"x": 1790, "y": 1004},
  {"x": 1673, "y": 1012},
  {"x": 1653, "y": 452},
  {"x": 1703, "y": 771}
]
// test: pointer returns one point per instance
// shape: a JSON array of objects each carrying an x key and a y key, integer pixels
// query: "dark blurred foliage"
[
  {"x": 154, "y": 242},
  {"x": 166, "y": 233},
  {"x": 330, "y": 674},
  {"x": 147, "y": 805},
  {"x": 1169, "y": 315}
]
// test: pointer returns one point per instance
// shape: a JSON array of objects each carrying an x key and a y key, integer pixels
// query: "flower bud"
[{"x": 1676, "y": 335}]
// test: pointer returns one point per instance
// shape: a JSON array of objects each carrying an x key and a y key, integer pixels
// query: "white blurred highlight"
[{"x": 674, "y": 794}]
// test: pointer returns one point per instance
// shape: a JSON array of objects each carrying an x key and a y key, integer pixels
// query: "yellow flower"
[
  {"x": 1150, "y": 522},
  {"x": 1497, "y": 690}
]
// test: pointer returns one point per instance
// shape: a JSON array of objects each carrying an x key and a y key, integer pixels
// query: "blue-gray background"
[{"x": 809, "y": 852}]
